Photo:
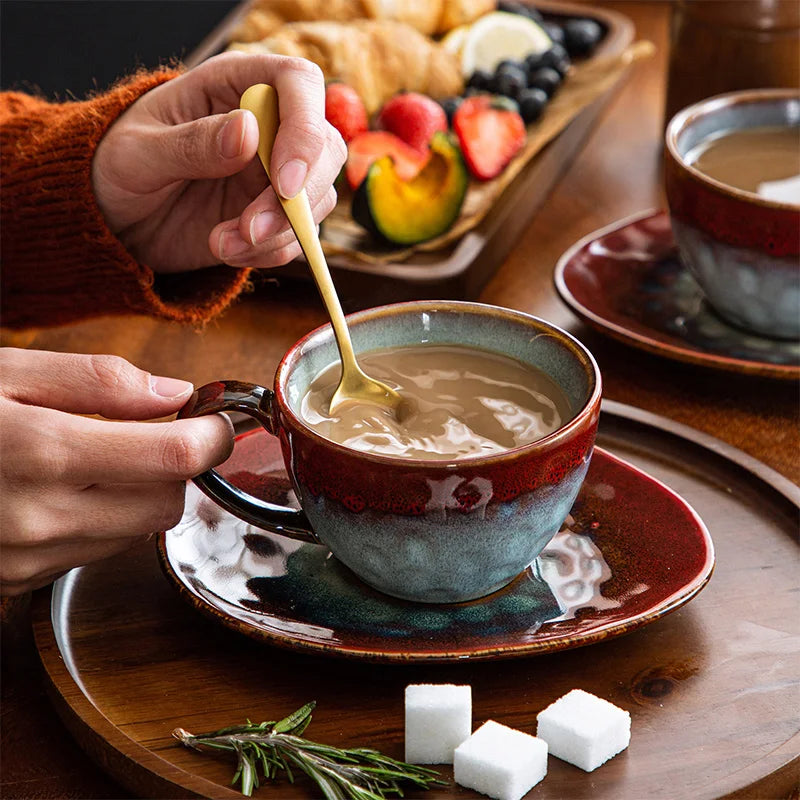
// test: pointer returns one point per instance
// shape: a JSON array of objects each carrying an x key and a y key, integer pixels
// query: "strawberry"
[
  {"x": 369, "y": 146},
  {"x": 490, "y": 131},
  {"x": 414, "y": 118},
  {"x": 345, "y": 110}
]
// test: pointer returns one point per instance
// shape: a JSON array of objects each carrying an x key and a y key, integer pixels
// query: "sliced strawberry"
[
  {"x": 414, "y": 117},
  {"x": 368, "y": 147},
  {"x": 490, "y": 131},
  {"x": 345, "y": 110}
]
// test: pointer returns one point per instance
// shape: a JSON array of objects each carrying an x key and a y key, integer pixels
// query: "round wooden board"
[{"x": 711, "y": 688}]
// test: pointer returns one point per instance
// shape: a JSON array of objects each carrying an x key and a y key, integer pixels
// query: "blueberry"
[
  {"x": 546, "y": 79},
  {"x": 509, "y": 64},
  {"x": 520, "y": 8},
  {"x": 523, "y": 9},
  {"x": 533, "y": 62},
  {"x": 531, "y": 104},
  {"x": 532, "y": 13},
  {"x": 511, "y": 7},
  {"x": 480, "y": 79},
  {"x": 557, "y": 58},
  {"x": 450, "y": 106},
  {"x": 581, "y": 36},
  {"x": 509, "y": 81},
  {"x": 554, "y": 31}
]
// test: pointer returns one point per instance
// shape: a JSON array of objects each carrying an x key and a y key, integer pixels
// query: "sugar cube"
[
  {"x": 500, "y": 761},
  {"x": 438, "y": 719},
  {"x": 583, "y": 729}
]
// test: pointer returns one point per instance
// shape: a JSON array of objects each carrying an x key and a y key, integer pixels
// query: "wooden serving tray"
[
  {"x": 460, "y": 270},
  {"x": 712, "y": 687}
]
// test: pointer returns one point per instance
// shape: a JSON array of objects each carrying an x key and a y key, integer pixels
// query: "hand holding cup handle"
[
  {"x": 401, "y": 524},
  {"x": 256, "y": 402}
]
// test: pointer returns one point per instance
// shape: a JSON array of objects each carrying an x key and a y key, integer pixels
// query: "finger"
[
  {"x": 140, "y": 452},
  {"x": 302, "y": 133},
  {"x": 227, "y": 243},
  {"x": 79, "y": 451},
  {"x": 264, "y": 217},
  {"x": 15, "y": 589},
  {"x": 89, "y": 384},
  {"x": 135, "y": 509},
  {"x": 24, "y": 569},
  {"x": 260, "y": 225},
  {"x": 75, "y": 515},
  {"x": 272, "y": 258},
  {"x": 210, "y": 147}
]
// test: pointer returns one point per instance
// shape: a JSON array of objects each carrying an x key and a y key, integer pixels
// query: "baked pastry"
[
  {"x": 462, "y": 12},
  {"x": 378, "y": 59},
  {"x": 427, "y": 16}
]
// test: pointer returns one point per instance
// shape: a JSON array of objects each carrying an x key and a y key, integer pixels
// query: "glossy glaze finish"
[
  {"x": 430, "y": 531},
  {"x": 744, "y": 250},
  {"x": 630, "y": 551},
  {"x": 179, "y": 668},
  {"x": 256, "y": 402},
  {"x": 627, "y": 281}
]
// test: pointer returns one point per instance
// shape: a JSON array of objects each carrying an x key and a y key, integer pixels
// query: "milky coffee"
[{"x": 458, "y": 402}]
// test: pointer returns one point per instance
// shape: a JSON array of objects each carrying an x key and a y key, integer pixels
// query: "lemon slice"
[
  {"x": 500, "y": 35},
  {"x": 454, "y": 40}
]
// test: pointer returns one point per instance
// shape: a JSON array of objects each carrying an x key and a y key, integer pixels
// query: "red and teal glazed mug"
[
  {"x": 743, "y": 249},
  {"x": 428, "y": 531}
]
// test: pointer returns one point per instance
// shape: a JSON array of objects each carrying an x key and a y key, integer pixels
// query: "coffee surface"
[
  {"x": 457, "y": 402},
  {"x": 750, "y": 158}
]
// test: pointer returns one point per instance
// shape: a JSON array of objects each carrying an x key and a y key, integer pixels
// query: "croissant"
[
  {"x": 378, "y": 59},
  {"x": 426, "y": 16},
  {"x": 462, "y": 12}
]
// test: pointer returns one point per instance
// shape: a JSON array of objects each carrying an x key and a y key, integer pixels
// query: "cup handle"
[{"x": 255, "y": 401}]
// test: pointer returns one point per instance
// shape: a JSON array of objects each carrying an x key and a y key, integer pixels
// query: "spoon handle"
[{"x": 262, "y": 100}]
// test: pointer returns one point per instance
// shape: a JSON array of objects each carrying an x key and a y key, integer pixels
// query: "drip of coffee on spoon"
[{"x": 355, "y": 386}]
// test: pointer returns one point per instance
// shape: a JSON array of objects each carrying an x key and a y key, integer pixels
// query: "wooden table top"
[{"x": 617, "y": 174}]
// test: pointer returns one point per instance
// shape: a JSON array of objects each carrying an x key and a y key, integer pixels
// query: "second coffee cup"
[
  {"x": 427, "y": 530},
  {"x": 739, "y": 240}
]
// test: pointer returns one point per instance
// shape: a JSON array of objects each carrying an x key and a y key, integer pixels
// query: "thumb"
[
  {"x": 82, "y": 384},
  {"x": 210, "y": 147}
]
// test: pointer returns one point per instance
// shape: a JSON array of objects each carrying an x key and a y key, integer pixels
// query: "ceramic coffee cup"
[
  {"x": 743, "y": 249},
  {"x": 428, "y": 531}
]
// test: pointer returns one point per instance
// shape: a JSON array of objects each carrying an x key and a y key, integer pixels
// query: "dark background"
[{"x": 66, "y": 48}]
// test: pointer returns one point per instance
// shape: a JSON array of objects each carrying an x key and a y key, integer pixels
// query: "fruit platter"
[{"x": 459, "y": 117}]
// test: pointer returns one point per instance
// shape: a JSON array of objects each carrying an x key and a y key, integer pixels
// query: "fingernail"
[
  {"x": 231, "y": 140},
  {"x": 291, "y": 177},
  {"x": 231, "y": 244},
  {"x": 169, "y": 387},
  {"x": 263, "y": 225}
]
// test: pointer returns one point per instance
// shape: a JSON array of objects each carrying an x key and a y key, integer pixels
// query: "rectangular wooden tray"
[{"x": 461, "y": 270}]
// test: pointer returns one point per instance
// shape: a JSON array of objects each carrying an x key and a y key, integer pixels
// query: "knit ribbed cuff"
[{"x": 60, "y": 261}]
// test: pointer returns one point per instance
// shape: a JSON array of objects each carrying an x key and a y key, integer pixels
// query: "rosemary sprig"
[{"x": 341, "y": 774}]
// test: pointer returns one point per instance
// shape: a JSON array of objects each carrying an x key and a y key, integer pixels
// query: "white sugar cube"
[
  {"x": 584, "y": 730},
  {"x": 501, "y": 762},
  {"x": 438, "y": 719}
]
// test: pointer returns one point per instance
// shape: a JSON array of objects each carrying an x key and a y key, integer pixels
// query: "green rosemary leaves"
[{"x": 352, "y": 774}]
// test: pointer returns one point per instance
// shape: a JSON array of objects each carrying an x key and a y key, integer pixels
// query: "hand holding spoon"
[{"x": 355, "y": 385}]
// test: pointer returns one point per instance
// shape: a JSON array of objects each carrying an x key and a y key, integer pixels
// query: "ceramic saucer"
[
  {"x": 630, "y": 552},
  {"x": 627, "y": 281}
]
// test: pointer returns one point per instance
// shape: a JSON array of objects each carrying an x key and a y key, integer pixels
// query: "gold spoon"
[{"x": 355, "y": 385}]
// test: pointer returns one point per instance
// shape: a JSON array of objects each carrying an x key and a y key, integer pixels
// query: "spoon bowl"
[{"x": 355, "y": 385}]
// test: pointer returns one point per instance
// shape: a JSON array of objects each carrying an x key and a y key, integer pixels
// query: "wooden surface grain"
[
  {"x": 149, "y": 661},
  {"x": 617, "y": 174}
]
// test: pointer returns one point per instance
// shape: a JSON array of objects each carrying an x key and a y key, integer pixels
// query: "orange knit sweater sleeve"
[{"x": 60, "y": 262}]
